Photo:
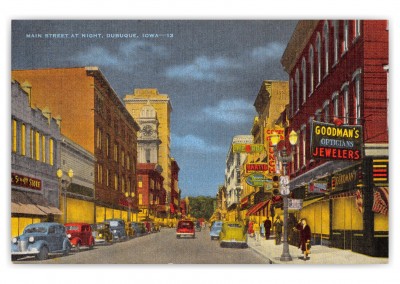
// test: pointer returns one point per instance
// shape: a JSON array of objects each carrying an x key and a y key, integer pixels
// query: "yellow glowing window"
[
  {"x": 140, "y": 199},
  {"x": 107, "y": 177},
  {"x": 23, "y": 140},
  {"x": 115, "y": 182},
  {"x": 37, "y": 146},
  {"x": 51, "y": 152},
  {"x": 31, "y": 144},
  {"x": 43, "y": 149},
  {"x": 14, "y": 136},
  {"x": 123, "y": 185}
]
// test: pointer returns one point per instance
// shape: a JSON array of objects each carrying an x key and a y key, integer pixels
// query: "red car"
[
  {"x": 185, "y": 229},
  {"x": 79, "y": 234}
]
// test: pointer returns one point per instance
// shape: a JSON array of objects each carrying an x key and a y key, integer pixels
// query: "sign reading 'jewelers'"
[{"x": 332, "y": 142}]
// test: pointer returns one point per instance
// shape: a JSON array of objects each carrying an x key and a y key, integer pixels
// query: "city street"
[{"x": 158, "y": 248}]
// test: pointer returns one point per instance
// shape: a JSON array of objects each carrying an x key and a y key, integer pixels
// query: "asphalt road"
[{"x": 158, "y": 248}]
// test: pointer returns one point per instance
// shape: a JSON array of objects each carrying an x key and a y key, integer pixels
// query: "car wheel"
[
  {"x": 78, "y": 247},
  {"x": 91, "y": 244},
  {"x": 67, "y": 250},
  {"x": 43, "y": 253},
  {"x": 14, "y": 258}
]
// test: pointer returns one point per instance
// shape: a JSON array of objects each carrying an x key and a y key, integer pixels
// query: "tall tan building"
[{"x": 140, "y": 99}]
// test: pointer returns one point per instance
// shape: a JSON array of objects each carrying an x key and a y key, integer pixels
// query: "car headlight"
[
  {"x": 100, "y": 235},
  {"x": 31, "y": 239},
  {"x": 15, "y": 240},
  {"x": 115, "y": 231},
  {"x": 69, "y": 236}
]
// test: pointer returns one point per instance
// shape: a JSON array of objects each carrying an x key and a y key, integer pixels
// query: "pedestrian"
[
  {"x": 256, "y": 228},
  {"x": 278, "y": 230},
  {"x": 267, "y": 226},
  {"x": 305, "y": 238},
  {"x": 262, "y": 230},
  {"x": 250, "y": 229}
]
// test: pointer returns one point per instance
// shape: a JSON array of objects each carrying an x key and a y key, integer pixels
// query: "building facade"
[
  {"x": 94, "y": 118},
  {"x": 162, "y": 105},
  {"x": 337, "y": 76},
  {"x": 175, "y": 191},
  {"x": 35, "y": 158}
]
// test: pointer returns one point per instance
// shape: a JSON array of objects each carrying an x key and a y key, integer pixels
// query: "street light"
[
  {"x": 238, "y": 191},
  {"x": 129, "y": 198},
  {"x": 64, "y": 187},
  {"x": 284, "y": 158}
]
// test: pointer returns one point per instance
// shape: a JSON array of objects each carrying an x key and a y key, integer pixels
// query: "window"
[
  {"x": 123, "y": 184},
  {"x": 32, "y": 143},
  {"x": 23, "y": 140},
  {"x": 140, "y": 181},
  {"x": 14, "y": 135},
  {"x": 108, "y": 145},
  {"x": 298, "y": 153},
  {"x": 147, "y": 153},
  {"x": 140, "y": 199},
  {"x": 311, "y": 68},
  {"x": 318, "y": 46},
  {"x": 357, "y": 95},
  {"x": 123, "y": 158},
  {"x": 99, "y": 174},
  {"x": 37, "y": 146},
  {"x": 318, "y": 115},
  {"x": 51, "y": 151},
  {"x": 116, "y": 152},
  {"x": 291, "y": 98},
  {"x": 128, "y": 162},
  {"x": 326, "y": 110},
  {"x": 297, "y": 90},
  {"x": 43, "y": 149},
  {"x": 357, "y": 28},
  {"x": 335, "y": 100},
  {"x": 345, "y": 36},
  {"x": 304, "y": 79},
  {"x": 115, "y": 181},
  {"x": 326, "y": 47},
  {"x": 98, "y": 138},
  {"x": 345, "y": 110},
  {"x": 335, "y": 41},
  {"x": 107, "y": 177}
]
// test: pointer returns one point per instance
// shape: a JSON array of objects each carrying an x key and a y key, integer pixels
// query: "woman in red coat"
[{"x": 305, "y": 237}]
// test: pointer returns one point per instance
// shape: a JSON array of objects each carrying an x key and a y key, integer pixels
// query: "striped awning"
[
  {"x": 257, "y": 207},
  {"x": 31, "y": 204}
]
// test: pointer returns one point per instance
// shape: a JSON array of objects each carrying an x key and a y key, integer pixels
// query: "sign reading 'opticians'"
[{"x": 332, "y": 142}]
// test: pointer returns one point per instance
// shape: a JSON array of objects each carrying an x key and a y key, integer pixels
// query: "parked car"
[
  {"x": 117, "y": 227},
  {"x": 39, "y": 240},
  {"x": 185, "y": 228},
  {"x": 233, "y": 233},
  {"x": 215, "y": 230},
  {"x": 101, "y": 233},
  {"x": 79, "y": 234},
  {"x": 136, "y": 229}
]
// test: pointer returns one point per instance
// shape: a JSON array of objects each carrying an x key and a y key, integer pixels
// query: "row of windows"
[
  {"x": 323, "y": 55},
  {"x": 32, "y": 143},
  {"x": 345, "y": 104},
  {"x": 118, "y": 152},
  {"x": 114, "y": 181}
]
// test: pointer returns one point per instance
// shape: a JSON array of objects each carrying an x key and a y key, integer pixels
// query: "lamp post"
[
  {"x": 238, "y": 191},
  {"x": 129, "y": 198},
  {"x": 64, "y": 187},
  {"x": 284, "y": 158}
]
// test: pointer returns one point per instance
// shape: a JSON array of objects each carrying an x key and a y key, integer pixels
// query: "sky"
[{"x": 211, "y": 70}]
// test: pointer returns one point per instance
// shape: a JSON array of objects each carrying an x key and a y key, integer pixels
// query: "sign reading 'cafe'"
[{"x": 332, "y": 142}]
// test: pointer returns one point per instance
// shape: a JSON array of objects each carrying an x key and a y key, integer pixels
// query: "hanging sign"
[
  {"x": 247, "y": 148},
  {"x": 271, "y": 155},
  {"x": 256, "y": 167},
  {"x": 295, "y": 204},
  {"x": 332, "y": 142},
  {"x": 257, "y": 180},
  {"x": 318, "y": 187}
]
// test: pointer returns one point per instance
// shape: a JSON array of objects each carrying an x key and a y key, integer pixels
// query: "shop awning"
[
  {"x": 257, "y": 207},
  {"x": 31, "y": 204},
  {"x": 311, "y": 201}
]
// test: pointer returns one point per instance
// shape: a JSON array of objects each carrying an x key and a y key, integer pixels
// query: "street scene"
[{"x": 199, "y": 142}]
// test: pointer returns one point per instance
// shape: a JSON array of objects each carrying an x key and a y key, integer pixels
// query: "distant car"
[
  {"x": 136, "y": 229},
  {"x": 215, "y": 230},
  {"x": 117, "y": 227},
  {"x": 233, "y": 233},
  {"x": 185, "y": 228},
  {"x": 80, "y": 234},
  {"x": 101, "y": 233},
  {"x": 39, "y": 240}
]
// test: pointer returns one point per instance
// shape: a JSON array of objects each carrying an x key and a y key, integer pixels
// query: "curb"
[{"x": 261, "y": 254}]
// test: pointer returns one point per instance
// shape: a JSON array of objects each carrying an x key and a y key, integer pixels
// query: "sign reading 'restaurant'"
[{"x": 332, "y": 142}]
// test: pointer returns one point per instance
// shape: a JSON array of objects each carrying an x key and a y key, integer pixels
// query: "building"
[
  {"x": 175, "y": 191},
  {"x": 221, "y": 203},
  {"x": 94, "y": 118},
  {"x": 338, "y": 81},
  {"x": 162, "y": 105},
  {"x": 35, "y": 158},
  {"x": 234, "y": 162}
]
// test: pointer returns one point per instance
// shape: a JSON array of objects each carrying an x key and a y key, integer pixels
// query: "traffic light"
[{"x": 275, "y": 184}]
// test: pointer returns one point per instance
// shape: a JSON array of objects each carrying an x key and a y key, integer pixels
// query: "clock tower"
[{"x": 148, "y": 140}]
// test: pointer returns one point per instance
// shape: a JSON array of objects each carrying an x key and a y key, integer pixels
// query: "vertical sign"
[{"x": 271, "y": 157}]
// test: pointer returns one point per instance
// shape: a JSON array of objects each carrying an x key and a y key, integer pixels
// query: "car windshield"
[
  {"x": 234, "y": 226},
  {"x": 37, "y": 229},
  {"x": 186, "y": 225},
  {"x": 72, "y": 228},
  {"x": 219, "y": 224},
  {"x": 114, "y": 223}
]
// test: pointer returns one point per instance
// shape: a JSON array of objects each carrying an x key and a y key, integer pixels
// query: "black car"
[{"x": 117, "y": 227}]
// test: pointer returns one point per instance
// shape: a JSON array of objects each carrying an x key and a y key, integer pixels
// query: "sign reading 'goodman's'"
[{"x": 332, "y": 142}]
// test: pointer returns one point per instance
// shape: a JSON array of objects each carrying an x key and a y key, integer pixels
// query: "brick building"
[{"x": 338, "y": 76}]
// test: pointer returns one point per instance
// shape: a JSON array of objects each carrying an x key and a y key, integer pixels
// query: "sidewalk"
[{"x": 319, "y": 254}]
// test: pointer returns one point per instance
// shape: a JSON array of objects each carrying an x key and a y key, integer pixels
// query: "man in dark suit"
[{"x": 267, "y": 226}]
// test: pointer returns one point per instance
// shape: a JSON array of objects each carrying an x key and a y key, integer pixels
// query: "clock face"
[{"x": 147, "y": 130}]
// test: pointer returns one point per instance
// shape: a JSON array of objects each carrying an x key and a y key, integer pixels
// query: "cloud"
[
  {"x": 127, "y": 55},
  {"x": 270, "y": 51},
  {"x": 203, "y": 68},
  {"x": 194, "y": 143},
  {"x": 235, "y": 111}
]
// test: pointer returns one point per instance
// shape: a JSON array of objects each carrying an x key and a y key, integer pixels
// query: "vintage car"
[
  {"x": 39, "y": 240},
  {"x": 233, "y": 234},
  {"x": 117, "y": 227},
  {"x": 215, "y": 230},
  {"x": 101, "y": 233},
  {"x": 80, "y": 234},
  {"x": 135, "y": 229},
  {"x": 185, "y": 228}
]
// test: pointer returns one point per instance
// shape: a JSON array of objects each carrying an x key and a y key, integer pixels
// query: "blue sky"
[{"x": 211, "y": 70}]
